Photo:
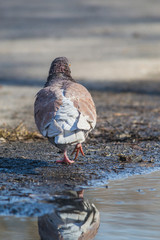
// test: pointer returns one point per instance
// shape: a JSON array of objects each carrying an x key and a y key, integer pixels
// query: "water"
[{"x": 129, "y": 209}]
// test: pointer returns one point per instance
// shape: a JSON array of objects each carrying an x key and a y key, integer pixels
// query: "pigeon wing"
[
  {"x": 83, "y": 102},
  {"x": 47, "y": 103}
]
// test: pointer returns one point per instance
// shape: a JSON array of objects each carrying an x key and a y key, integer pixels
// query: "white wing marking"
[
  {"x": 83, "y": 123},
  {"x": 68, "y": 124},
  {"x": 67, "y": 115},
  {"x": 53, "y": 129},
  {"x": 70, "y": 137}
]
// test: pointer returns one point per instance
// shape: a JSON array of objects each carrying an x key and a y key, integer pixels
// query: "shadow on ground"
[
  {"x": 139, "y": 87},
  {"x": 20, "y": 165}
]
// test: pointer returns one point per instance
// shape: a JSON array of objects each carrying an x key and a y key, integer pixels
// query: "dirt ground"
[{"x": 125, "y": 142}]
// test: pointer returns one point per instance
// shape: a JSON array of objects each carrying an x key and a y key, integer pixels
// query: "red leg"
[
  {"x": 65, "y": 159},
  {"x": 80, "y": 193},
  {"x": 78, "y": 148},
  {"x": 81, "y": 150}
]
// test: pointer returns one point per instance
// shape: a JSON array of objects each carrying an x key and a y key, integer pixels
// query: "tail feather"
[{"x": 68, "y": 137}]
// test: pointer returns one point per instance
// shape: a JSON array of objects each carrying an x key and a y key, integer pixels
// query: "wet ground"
[
  {"x": 129, "y": 209},
  {"x": 125, "y": 142}
]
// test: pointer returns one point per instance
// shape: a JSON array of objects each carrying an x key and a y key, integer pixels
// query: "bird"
[
  {"x": 64, "y": 110},
  {"x": 73, "y": 218}
]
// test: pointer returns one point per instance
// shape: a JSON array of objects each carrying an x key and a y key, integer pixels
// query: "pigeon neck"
[{"x": 57, "y": 77}]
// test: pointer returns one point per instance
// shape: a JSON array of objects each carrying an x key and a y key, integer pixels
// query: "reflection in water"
[{"x": 73, "y": 219}]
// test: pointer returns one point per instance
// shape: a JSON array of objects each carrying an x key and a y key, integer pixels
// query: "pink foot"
[
  {"x": 80, "y": 193},
  {"x": 65, "y": 159},
  {"x": 78, "y": 148}
]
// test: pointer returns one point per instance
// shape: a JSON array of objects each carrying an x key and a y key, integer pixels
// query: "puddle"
[
  {"x": 129, "y": 209},
  {"x": 72, "y": 217}
]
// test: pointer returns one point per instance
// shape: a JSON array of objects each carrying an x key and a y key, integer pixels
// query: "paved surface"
[{"x": 105, "y": 40}]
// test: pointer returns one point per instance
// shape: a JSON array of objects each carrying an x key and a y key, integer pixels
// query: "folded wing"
[{"x": 66, "y": 114}]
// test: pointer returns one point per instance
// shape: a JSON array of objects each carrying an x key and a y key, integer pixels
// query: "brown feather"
[
  {"x": 46, "y": 105},
  {"x": 82, "y": 100}
]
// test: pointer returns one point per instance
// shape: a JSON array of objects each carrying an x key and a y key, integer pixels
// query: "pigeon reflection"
[{"x": 73, "y": 219}]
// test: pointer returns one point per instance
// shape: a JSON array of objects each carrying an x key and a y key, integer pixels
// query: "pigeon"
[
  {"x": 73, "y": 218},
  {"x": 64, "y": 110}
]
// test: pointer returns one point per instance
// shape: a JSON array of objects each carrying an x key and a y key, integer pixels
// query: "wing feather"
[
  {"x": 47, "y": 103},
  {"x": 66, "y": 112},
  {"x": 82, "y": 100}
]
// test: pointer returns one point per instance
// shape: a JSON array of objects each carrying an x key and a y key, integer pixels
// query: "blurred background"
[
  {"x": 107, "y": 42},
  {"x": 104, "y": 40}
]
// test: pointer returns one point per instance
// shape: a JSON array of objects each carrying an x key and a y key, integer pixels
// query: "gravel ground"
[{"x": 124, "y": 142}]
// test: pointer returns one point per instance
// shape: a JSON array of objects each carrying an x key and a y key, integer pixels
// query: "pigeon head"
[
  {"x": 59, "y": 70},
  {"x": 60, "y": 65}
]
